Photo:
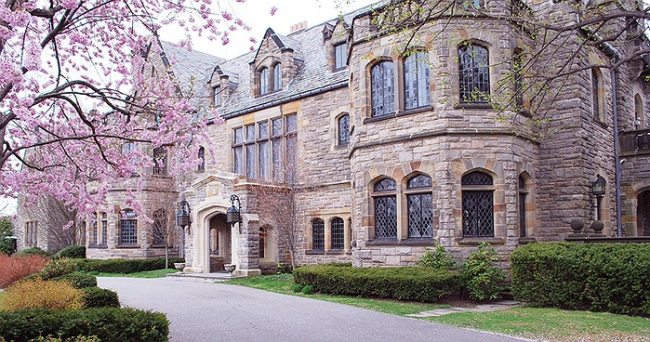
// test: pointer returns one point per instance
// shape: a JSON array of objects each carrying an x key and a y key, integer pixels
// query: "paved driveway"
[{"x": 206, "y": 311}]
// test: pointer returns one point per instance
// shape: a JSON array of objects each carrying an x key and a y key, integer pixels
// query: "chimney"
[{"x": 297, "y": 27}]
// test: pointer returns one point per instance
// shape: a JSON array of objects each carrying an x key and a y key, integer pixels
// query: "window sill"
[
  {"x": 473, "y": 105},
  {"x": 380, "y": 118},
  {"x": 407, "y": 242},
  {"x": 427, "y": 108},
  {"x": 98, "y": 247},
  {"x": 314, "y": 252},
  {"x": 325, "y": 252},
  {"x": 128, "y": 246},
  {"x": 161, "y": 246},
  {"x": 382, "y": 242},
  {"x": 602, "y": 124},
  {"x": 526, "y": 240},
  {"x": 475, "y": 241}
]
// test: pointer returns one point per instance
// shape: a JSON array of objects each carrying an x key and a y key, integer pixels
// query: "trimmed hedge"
[
  {"x": 107, "y": 324},
  {"x": 598, "y": 277},
  {"x": 79, "y": 280},
  {"x": 72, "y": 252},
  {"x": 95, "y": 297},
  {"x": 33, "y": 251},
  {"x": 125, "y": 265},
  {"x": 402, "y": 283}
]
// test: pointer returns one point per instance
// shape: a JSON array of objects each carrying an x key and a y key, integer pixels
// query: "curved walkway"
[{"x": 205, "y": 311}]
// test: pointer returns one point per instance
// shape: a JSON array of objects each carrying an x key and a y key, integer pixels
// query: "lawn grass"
[
  {"x": 548, "y": 324},
  {"x": 144, "y": 274}
]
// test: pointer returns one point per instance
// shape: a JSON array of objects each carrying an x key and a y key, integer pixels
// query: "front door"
[{"x": 220, "y": 250}]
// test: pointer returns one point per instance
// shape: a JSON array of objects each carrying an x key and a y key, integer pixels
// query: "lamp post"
[
  {"x": 183, "y": 219},
  {"x": 233, "y": 214},
  {"x": 598, "y": 190}
]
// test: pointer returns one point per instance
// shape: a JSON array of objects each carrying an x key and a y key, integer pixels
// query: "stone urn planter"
[
  {"x": 179, "y": 266},
  {"x": 230, "y": 267}
]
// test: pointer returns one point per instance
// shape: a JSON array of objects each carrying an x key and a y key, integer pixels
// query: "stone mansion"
[{"x": 384, "y": 154}]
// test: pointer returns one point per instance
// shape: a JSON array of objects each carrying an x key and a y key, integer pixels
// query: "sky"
[{"x": 257, "y": 15}]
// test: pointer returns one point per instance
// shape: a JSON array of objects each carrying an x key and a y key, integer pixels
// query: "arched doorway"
[
  {"x": 643, "y": 214},
  {"x": 219, "y": 243}
]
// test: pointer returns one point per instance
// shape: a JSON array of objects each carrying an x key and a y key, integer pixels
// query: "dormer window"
[
  {"x": 264, "y": 81},
  {"x": 277, "y": 77},
  {"x": 340, "y": 56},
  {"x": 217, "y": 96}
]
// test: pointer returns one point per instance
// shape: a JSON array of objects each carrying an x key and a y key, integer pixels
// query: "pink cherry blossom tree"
[{"x": 77, "y": 90}]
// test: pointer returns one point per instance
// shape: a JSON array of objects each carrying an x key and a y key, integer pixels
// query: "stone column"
[{"x": 248, "y": 246}]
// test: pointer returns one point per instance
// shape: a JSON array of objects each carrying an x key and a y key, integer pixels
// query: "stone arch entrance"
[
  {"x": 643, "y": 214},
  {"x": 220, "y": 246}
]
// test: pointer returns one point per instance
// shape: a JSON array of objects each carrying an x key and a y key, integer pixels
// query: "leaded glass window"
[
  {"x": 318, "y": 234},
  {"x": 344, "y": 129},
  {"x": 338, "y": 233},
  {"x": 102, "y": 241},
  {"x": 416, "y": 80},
  {"x": 383, "y": 88},
  {"x": 238, "y": 155},
  {"x": 420, "y": 207},
  {"x": 250, "y": 152},
  {"x": 340, "y": 56},
  {"x": 128, "y": 228},
  {"x": 473, "y": 62},
  {"x": 385, "y": 210},
  {"x": 217, "y": 96},
  {"x": 277, "y": 77},
  {"x": 159, "y": 227},
  {"x": 478, "y": 205},
  {"x": 292, "y": 148},
  {"x": 518, "y": 78},
  {"x": 264, "y": 81},
  {"x": 159, "y": 161},
  {"x": 522, "y": 206}
]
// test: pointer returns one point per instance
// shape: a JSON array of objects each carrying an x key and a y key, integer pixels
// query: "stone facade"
[{"x": 293, "y": 119}]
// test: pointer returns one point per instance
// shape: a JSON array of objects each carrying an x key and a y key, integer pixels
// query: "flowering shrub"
[
  {"x": 14, "y": 268},
  {"x": 58, "y": 267},
  {"x": 40, "y": 294}
]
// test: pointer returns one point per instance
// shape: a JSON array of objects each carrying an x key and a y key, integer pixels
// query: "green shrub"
[
  {"x": 73, "y": 252},
  {"x": 79, "y": 280},
  {"x": 402, "y": 283},
  {"x": 95, "y": 297},
  {"x": 438, "y": 258},
  {"x": 308, "y": 290},
  {"x": 480, "y": 278},
  {"x": 58, "y": 267},
  {"x": 50, "y": 338},
  {"x": 598, "y": 277},
  {"x": 125, "y": 265},
  {"x": 33, "y": 251},
  {"x": 296, "y": 288},
  {"x": 107, "y": 324}
]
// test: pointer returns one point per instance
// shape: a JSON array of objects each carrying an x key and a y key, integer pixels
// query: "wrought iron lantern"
[
  {"x": 598, "y": 186},
  {"x": 233, "y": 214},
  {"x": 183, "y": 215}
]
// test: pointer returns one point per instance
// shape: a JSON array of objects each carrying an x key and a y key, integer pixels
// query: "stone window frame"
[
  {"x": 98, "y": 230},
  {"x": 31, "y": 233},
  {"x": 418, "y": 56},
  {"x": 414, "y": 191},
  {"x": 318, "y": 234},
  {"x": 216, "y": 96},
  {"x": 597, "y": 95},
  {"x": 128, "y": 221},
  {"x": 159, "y": 157},
  {"x": 93, "y": 235},
  {"x": 329, "y": 217},
  {"x": 268, "y": 76},
  {"x": 337, "y": 233},
  {"x": 482, "y": 96},
  {"x": 380, "y": 69},
  {"x": 343, "y": 137},
  {"x": 340, "y": 56},
  {"x": 104, "y": 232},
  {"x": 639, "y": 114},
  {"x": 201, "y": 156},
  {"x": 264, "y": 78},
  {"x": 277, "y": 76},
  {"x": 523, "y": 197},
  {"x": 519, "y": 89},
  {"x": 472, "y": 191},
  {"x": 281, "y": 138}
]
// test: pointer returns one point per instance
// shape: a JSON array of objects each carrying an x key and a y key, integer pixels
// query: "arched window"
[
  {"x": 478, "y": 205},
  {"x": 420, "y": 207},
  {"x": 338, "y": 235},
  {"x": 416, "y": 80},
  {"x": 264, "y": 81},
  {"x": 128, "y": 227},
  {"x": 383, "y": 89},
  {"x": 523, "y": 193},
  {"x": 473, "y": 62},
  {"x": 277, "y": 77},
  {"x": 318, "y": 234},
  {"x": 202, "y": 159},
  {"x": 344, "y": 129},
  {"x": 385, "y": 200},
  {"x": 159, "y": 227},
  {"x": 638, "y": 111}
]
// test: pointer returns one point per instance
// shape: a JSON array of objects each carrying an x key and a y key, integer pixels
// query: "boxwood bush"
[
  {"x": 79, "y": 280},
  {"x": 107, "y": 324},
  {"x": 125, "y": 265},
  {"x": 95, "y": 297},
  {"x": 402, "y": 283},
  {"x": 72, "y": 252},
  {"x": 598, "y": 277}
]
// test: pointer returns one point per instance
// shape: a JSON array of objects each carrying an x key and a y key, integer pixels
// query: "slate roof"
[{"x": 312, "y": 77}]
